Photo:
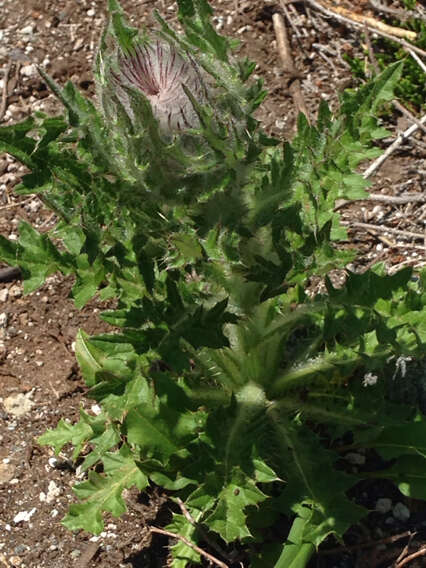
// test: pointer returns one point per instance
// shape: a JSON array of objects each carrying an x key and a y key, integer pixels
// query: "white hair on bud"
[{"x": 159, "y": 72}]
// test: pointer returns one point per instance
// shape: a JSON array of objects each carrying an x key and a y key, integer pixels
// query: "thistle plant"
[
  {"x": 227, "y": 384},
  {"x": 162, "y": 75}
]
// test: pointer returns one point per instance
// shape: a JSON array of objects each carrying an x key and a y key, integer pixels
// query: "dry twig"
[
  {"x": 397, "y": 267},
  {"x": 200, "y": 551},
  {"x": 328, "y": 11},
  {"x": 284, "y": 50},
  {"x": 417, "y": 60},
  {"x": 395, "y": 144},
  {"x": 17, "y": 203},
  {"x": 5, "y": 87},
  {"x": 203, "y": 533},
  {"x": 396, "y": 12},
  {"x": 345, "y": 15},
  {"x": 383, "y": 229},
  {"x": 398, "y": 199}
]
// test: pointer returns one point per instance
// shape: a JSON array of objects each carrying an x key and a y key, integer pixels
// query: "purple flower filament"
[{"x": 159, "y": 71}]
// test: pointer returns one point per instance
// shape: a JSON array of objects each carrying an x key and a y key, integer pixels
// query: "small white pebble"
[
  {"x": 96, "y": 409},
  {"x": 383, "y": 505},
  {"x": 401, "y": 512},
  {"x": 27, "y": 30},
  {"x": 24, "y": 516}
]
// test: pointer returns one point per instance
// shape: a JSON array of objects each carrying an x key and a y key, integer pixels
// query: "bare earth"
[{"x": 40, "y": 382}]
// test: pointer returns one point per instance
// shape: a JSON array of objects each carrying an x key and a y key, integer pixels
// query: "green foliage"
[
  {"x": 226, "y": 384},
  {"x": 411, "y": 88}
]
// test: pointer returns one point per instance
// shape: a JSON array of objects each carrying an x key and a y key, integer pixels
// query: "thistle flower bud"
[
  {"x": 177, "y": 111},
  {"x": 158, "y": 71}
]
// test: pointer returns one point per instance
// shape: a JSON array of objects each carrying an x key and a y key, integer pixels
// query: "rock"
[
  {"x": 78, "y": 44},
  {"x": 27, "y": 30},
  {"x": 24, "y": 516},
  {"x": 18, "y": 404},
  {"x": 29, "y": 70},
  {"x": 383, "y": 505},
  {"x": 15, "y": 291},
  {"x": 4, "y": 294},
  {"x": 3, "y": 319},
  {"x": 7, "y": 471},
  {"x": 53, "y": 491},
  {"x": 401, "y": 512}
]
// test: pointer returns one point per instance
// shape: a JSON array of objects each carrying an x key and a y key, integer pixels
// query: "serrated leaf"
[
  {"x": 159, "y": 431},
  {"x": 394, "y": 441},
  {"x": 229, "y": 518},
  {"x": 104, "y": 359},
  {"x": 101, "y": 444},
  {"x": 38, "y": 257},
  {"x": 65, "y": 433},
  {"x": 103, "y": 493}
]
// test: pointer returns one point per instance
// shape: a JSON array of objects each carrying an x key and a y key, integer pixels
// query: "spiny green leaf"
[
  {"x": 228, "y": 518},
  {"x": 65, "y": 433},
  {"x": 103, "y": 493}
]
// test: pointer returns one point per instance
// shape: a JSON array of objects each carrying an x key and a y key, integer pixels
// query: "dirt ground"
[{"x": 39, "y": 379}]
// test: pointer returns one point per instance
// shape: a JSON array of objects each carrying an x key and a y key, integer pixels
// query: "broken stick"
[{"x": 284, "y": 50}]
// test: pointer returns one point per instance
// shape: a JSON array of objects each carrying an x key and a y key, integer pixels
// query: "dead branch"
[
  {"x": 417, "y": 60},
  {"x": 284, "y": 51},
  {"x": 403, "y": 15},
  {"x": 339, "y": 12},
  {"x": 409, "y": 115},
  {"x": 402, "y": 137},
  {"x": 383, "y": 229},
  {"x": 325, "y": 9},
  {"x": 16, "y": 204},
  {"x": 289, "y": 20},
  {"x": 396, "y": 268},
  {"x": 200, "y": 551},
  {"x": 399, "y": 199}
]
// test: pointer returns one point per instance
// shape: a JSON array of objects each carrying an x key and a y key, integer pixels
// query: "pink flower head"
[{"x": 159, "y": 72}]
